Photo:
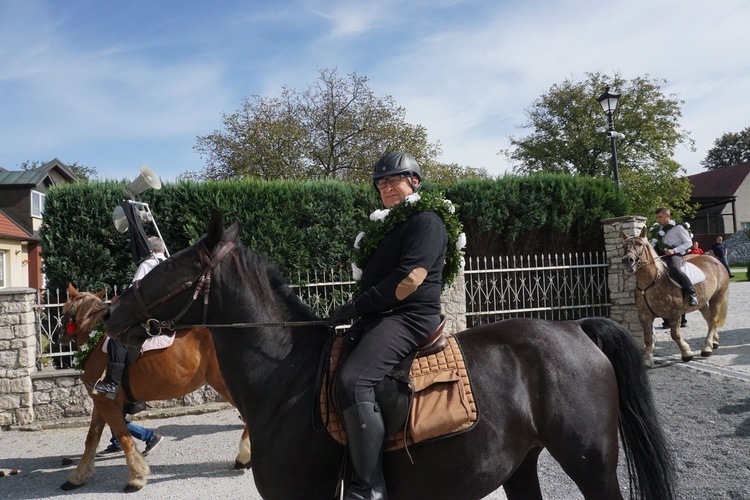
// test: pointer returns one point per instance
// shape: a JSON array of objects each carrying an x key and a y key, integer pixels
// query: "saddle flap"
[{"x": 442, "y": 405}]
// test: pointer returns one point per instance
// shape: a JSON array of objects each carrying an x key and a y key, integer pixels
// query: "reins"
[
  {"x": 203, "y": 280},
  {"x": 640, "y": 262}
]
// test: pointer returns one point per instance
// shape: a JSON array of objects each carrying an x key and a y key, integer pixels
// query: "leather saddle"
[{"x": 394, "y": 393}]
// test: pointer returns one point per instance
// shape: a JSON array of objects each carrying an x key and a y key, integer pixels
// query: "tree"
[
  {"x": 336, "y": 128},
  {"x": 729, "y": 149},
  {"x": 567, "y": 138}
]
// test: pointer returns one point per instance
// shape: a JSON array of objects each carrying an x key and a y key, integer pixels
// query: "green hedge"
[{"x": 311, "y": 225}]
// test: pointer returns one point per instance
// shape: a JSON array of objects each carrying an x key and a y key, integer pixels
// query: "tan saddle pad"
[{"x": 443, "y": 403}]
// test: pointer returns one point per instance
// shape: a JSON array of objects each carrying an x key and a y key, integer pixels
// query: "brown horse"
[
  {"x": 657, "y": 297},
  {"x": 189, "y": 363}
]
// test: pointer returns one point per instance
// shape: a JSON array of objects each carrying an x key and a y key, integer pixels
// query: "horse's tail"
[
  {"x": 650, "y": 464},
  {"x": 723, "y": 310}
]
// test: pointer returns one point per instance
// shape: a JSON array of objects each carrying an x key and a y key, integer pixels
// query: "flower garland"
[
  {"x": 656, "y": 232},
  {"x": 82, "y": 354},
  {"x": 381, "y": 222}
]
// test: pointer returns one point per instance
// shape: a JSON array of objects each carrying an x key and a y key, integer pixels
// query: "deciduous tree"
[
  {"x": 568, "y": 137},
  {"x": 729, "y": 149}
]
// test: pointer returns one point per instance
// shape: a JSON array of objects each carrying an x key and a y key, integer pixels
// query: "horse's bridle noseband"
[{"x": 202, "y": 282}]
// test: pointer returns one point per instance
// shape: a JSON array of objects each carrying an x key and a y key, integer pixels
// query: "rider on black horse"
[{"x": 398, "y": 308}]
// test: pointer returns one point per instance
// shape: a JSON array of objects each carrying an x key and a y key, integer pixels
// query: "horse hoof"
[
  {"x": 131, "y": 489},
  {"x": 687, "y": 358},
  {"x": 67, "y": 461},
  {"x": 715, "y": 345},
  {"x": 67, "y": 486},
  {"x": 705, "y": 354},
  {"x": 239, "y": 465}
]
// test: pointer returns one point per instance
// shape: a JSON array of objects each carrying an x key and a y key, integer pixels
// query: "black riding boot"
[
  {"x": 111, "y": 381},
  {"x": 692, "y": 296},
  {"x": 364, "y": 434}
]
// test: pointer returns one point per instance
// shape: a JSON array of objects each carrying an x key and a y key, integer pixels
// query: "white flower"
[
  {"x": 449, "y": 204},
  {"x": 686, "y": 224},
  {"x": 654, "y": 242},
  {"x": 661, "y": 232},
  {"x": 92, "y": 334},
  {"x": 461, "y": 241},
  {"x": 358, "y": 239},
  {"x": 412, "y": 198},
  {"x": 85, "y": 347},
  {"x": 379, "y": 215},
  {"x": 356, "y": 272},
  {"x": 672, "y": 223}
]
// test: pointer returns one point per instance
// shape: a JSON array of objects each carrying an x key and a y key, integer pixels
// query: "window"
[
  {"x": 2, "y": 269},
  {"x": 37, "y": 204}
]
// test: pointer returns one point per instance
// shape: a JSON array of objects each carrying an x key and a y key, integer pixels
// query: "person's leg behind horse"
[
  {"x": 117, "y": 356},
  {"x": 385, "y": 342},
  {"x": 675, "y": 271}
]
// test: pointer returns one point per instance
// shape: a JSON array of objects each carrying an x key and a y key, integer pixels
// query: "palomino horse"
[
  {"x": 657, "y": 297},
  {"x": 189, "y": 363},
  {"x": 537, "y": 384}
]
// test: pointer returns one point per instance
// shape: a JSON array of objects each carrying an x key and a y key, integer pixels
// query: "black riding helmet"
[{"x": 402, "y": 164}]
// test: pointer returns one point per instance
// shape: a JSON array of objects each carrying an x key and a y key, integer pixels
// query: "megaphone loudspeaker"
[{"x": 148, "y": 179}]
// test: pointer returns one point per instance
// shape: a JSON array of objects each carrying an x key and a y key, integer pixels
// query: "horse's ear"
[
  {"x": 101, "y": 293},
  {"x": 215, "y": 229},
  {"x": 623, "y": 235},
  {"x": 233, "y": 231},
  {"x": 72, "y": 291},
  {"x": 644, "y": 232}
]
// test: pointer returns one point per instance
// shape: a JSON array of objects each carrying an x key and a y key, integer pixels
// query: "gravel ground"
[{"x": 704, "y": 405}]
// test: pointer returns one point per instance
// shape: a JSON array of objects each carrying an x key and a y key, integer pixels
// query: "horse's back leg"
[
  {"x": 215, "y": 380},
  {"x": 523, "y": 484}
]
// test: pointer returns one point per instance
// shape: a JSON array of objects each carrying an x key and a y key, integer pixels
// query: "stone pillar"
[
  {"x": 621, "y": 285},
  {"x": 453, "y": 302},
  {"x": 17, "y": 355}
]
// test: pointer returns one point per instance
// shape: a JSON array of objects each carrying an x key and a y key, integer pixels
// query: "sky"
[{"x": 116, "y": 85}]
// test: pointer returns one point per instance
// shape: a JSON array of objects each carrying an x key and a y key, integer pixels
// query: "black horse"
[{"x": 538, "y": 384}]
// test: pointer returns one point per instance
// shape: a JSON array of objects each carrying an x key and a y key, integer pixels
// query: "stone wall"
[
  {"x": 17, "y": 355},
  {"x": 621, "y": 285},
  {"x": 453, "y": 302}
]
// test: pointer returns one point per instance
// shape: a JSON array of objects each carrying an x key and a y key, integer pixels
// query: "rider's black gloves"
[{"x": 342, "y": 314}]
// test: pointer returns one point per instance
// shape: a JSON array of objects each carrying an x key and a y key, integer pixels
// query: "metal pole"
[{"x": 614, "y": 149}]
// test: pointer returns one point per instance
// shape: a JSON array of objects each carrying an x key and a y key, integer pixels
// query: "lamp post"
[{"x": 608, "y": 100}]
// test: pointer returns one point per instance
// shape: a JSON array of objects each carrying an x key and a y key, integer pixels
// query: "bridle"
[
  {"x": 640, "y": 262},
  {"x": 202, "y": 282}
]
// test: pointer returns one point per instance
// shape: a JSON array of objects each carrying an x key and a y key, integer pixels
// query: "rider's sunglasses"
[{"x": 392, "y": 181}]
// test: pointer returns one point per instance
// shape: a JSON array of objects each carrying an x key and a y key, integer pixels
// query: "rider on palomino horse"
[
  {"x": 675, "y": 242},
  {"x": 398, "y": 308}
]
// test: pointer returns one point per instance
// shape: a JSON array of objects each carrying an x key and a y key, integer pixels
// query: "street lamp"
[{"x": 608, "y": 100}]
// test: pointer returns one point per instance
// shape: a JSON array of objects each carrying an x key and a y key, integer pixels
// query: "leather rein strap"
[
  {"x": 640, "y": 263},
  {"x": 203, "y": 280}
]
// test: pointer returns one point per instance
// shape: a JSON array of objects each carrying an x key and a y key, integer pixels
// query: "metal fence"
[
  {"x": 557, "y": 287},
  {"x": 567, "y": 286}
]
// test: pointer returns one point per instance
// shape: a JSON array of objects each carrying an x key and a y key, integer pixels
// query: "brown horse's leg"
[
  {"x": 111, "y": 410},
  {"x": 647, "y": 323},
  {"x": 674, "y": 330},
  {"x": 214, "y": 379},
  {"x": 523, "y": 484},
  {"x": 85, "y": 469}
]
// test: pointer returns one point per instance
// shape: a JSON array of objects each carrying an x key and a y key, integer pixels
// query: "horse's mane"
[
  {"x": 661, "y": 266},
  {"x": 260, "y": 274}
]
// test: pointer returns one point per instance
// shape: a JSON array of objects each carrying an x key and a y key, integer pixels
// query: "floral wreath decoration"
[
  {"x": 82, "y": 354},
  {"x": 656, "y": 232},
  {"x": 381, "y": 222}
]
